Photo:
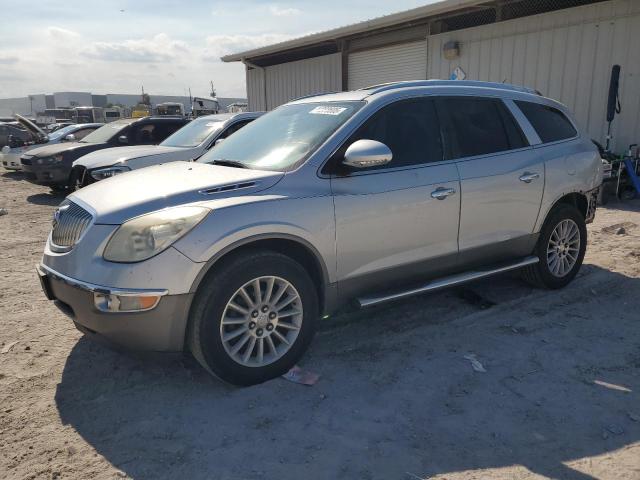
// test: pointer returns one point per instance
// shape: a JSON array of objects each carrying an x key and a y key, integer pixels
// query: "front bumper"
[
  {"x": 161, "y": 328},
  {"x": 592, "y": 204},
  {"x": 51, "y": 174}
]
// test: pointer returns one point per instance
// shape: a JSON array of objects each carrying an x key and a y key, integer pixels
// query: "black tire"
[
  {"x": 58, "y": 189},
  {"x": 539, "y": 274},
  {"x": 204, "y": 337}
]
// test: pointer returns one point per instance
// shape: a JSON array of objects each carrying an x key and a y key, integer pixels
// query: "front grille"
[{"x": 70, "y": 221}]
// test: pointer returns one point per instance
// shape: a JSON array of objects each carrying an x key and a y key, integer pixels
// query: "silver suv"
[{"x": 372, "y": 195}]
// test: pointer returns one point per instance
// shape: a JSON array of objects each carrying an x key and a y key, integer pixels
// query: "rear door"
[
  {"x": 399, "y": 221},
  {"x": 501, "y": 177}
]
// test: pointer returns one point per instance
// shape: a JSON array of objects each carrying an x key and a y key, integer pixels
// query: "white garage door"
[{"x": 407, "y": 61}]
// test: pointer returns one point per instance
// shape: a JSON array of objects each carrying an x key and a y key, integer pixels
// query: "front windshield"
[
  {"x": 281, "y": 139},
  {"x": 62, "y": 132},
  {"x": 106, "y": 132},
  {"x": 195, "y": 132}
]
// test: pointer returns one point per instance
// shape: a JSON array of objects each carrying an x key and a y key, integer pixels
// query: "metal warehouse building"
[{"x": 563, "y": 48}]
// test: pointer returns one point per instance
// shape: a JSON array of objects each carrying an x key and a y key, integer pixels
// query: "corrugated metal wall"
[
  {"x": 406, "y": 61},
  {"x": 255, "y": 89},
  {"x": 294, "y": 79},
  {"x": 567, "y": 55}
]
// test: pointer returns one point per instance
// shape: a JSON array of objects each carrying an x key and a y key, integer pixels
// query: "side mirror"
[
  {"x": 70, "y": 138},
  {"x": 123, "y": 139},
  {"x": 367, "y": 153}
]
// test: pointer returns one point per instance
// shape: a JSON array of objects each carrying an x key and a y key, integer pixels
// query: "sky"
[{"x": 118, "y": 46}]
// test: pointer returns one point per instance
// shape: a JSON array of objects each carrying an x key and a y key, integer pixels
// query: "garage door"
[{"x": 407, "y": 61}]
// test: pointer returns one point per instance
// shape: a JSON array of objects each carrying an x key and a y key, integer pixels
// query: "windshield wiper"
[{"x": 229, "y": 163}]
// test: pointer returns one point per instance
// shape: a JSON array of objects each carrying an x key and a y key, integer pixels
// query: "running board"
[{"x": 445, "y": 282}]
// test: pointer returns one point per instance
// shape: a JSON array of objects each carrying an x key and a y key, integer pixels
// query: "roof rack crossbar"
[{"x": 434, "y": 83}]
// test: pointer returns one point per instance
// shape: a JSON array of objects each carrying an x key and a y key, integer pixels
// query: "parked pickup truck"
[{"x": 372, "y": 195}]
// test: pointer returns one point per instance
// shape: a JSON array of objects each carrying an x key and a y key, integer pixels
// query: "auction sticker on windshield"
[{"x": 326, "y": 110}]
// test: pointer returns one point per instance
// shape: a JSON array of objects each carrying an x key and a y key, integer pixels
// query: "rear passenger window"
[
  {"x": 478, "y": 126},
  {"x": 550, "y": 123},
  {"x": 410, "y": 128}
]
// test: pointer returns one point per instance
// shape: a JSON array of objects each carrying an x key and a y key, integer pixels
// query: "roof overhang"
[{"x": 431, "y": 10}]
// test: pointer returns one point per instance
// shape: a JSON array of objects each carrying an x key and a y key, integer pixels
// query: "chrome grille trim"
[{"x": 70, "y": 221}]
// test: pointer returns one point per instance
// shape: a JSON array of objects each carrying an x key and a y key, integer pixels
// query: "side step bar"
[{"x": 445, "y": 282}]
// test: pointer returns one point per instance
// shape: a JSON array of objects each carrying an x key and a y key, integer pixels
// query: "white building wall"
[
  {"x": 22, "y": 105},
  {"x": 567, "y": 55},
  {"x": 291, "y": 80},
  {"x": 72, "y": 99}
]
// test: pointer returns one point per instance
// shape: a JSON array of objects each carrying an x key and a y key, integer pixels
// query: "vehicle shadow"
[
  {"x": 397, "y": 398},
  {"x": 13, "y": 175},
  {"x": 51, "y": 199}
]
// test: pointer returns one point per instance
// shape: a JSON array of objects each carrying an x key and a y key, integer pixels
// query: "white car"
[
  {"x": 188, "y": 143},
  {"x": 10, "y": 155}
]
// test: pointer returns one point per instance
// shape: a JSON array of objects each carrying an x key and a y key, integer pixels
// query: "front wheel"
[
  {"x": 560, "y": 248},
  {"x": 253, "y": 318}
]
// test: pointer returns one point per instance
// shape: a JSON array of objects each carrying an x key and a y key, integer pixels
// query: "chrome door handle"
[
  {"x": 527, "y": 177},
  {"x": 442, "y": 193}
]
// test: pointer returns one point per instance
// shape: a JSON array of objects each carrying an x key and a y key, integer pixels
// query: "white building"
[{"x": 563, "y": 48}]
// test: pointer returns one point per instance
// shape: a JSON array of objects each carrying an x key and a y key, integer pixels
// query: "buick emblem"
[{"x": 57, "y": 215}]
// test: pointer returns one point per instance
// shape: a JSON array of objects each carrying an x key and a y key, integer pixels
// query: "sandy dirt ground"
[{"x": 396, "y": 399}]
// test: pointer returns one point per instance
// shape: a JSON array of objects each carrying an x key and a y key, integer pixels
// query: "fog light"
[{"x": 124, "y": 303}]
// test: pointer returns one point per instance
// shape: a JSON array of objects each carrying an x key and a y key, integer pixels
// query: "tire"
[
  {"x": 542, "y": 273},
  {"x": 58, "y": 189},
  {"x": 211, "y": 304}
]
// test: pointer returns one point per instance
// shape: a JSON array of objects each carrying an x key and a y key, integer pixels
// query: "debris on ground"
[
  {"x": 3, "y": 211},
  {"x": 634, "y": 416},
  {"x": 475, "y": 363},
  {"x": 303, "y": 377},
  {"x": 619, "y": 228},
  {"x": 7, "y": 348}
]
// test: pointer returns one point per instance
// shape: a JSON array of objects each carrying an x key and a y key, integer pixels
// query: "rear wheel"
[
  {"x": 253, "y": 318},
  {"x": 560, "y": 248}
]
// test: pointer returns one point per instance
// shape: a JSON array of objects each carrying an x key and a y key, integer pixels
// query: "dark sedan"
[{"x": 51, "y": 165}]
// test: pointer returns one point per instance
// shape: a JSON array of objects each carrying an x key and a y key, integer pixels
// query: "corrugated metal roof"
[{"x": 438, "y": 8}]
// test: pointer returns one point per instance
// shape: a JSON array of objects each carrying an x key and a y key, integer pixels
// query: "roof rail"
[{"x": 461, "y": 83}]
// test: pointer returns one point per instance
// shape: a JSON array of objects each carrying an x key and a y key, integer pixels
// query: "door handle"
[
  {"x": 527, "y": 177},
  {"x": 442, "y": 193}
]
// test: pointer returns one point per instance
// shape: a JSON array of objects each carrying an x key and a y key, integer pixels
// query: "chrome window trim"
[{"x": 93, "y": 288}]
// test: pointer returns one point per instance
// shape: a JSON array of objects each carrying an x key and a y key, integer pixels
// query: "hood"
[
  {"x": 32, "y": 127},
  {"x": 111, "y": 156},
  {"x": 54, "y": 149},
  {"x": 135, "y": 193}
]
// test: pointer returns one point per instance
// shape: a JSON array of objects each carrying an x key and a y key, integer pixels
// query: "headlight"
[
  {"x": 143, "y": 237},
  {"x": 109, "y": 172},
  {"x": 49, "y": 160}
]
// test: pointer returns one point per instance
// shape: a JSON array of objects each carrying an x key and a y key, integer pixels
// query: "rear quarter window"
[{"x": 550, "y": 124}]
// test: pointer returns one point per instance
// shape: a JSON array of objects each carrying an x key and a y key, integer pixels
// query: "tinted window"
[
  {"x": 550, "y": 123},
  {"x": 479, "y": 126},
  {"x": 409, "y": 128},
  {"x": 234, "y": 128}
]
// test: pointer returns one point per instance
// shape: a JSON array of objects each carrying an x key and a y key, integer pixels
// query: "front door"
[{"x": 397, "y": 222}]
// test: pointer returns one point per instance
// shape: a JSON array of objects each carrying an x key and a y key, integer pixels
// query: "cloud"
[
  {"x": 283, "y": 12},
  {"x": 58, "y": 33},
  {"x": 220, "y": 45},
  {"x": 8, "y": 60},
  {"x": 160, "y": 48}
]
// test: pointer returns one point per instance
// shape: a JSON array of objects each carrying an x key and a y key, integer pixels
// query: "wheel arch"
[
  {"x": 577, "y": 199},
  {"x": 292, "y": 246}
]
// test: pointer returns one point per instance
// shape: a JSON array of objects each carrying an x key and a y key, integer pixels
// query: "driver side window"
[{"x": 410, "y": 128}]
